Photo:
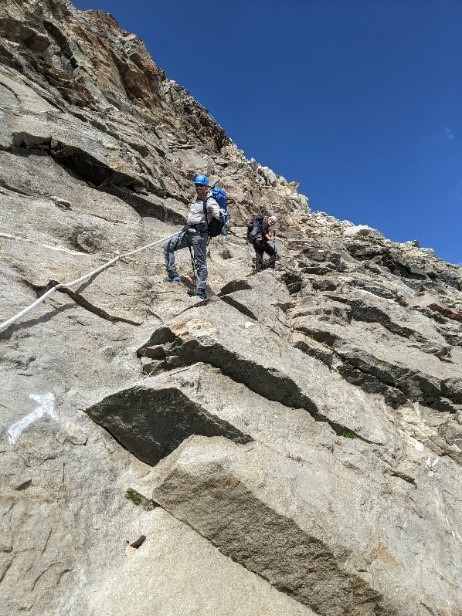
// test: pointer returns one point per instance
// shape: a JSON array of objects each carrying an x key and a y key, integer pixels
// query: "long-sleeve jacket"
[
  {"x": 196, "y": 210},
  {"x": 267, "y": 235}
]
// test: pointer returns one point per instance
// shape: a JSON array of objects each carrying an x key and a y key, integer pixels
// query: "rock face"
[{"x": 293, "y": 445}]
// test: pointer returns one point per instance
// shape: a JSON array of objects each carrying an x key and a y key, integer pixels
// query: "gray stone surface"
[
  {"x": 250, "y": 353},
  {"x": 292, "y": 445},
  {"x": 176, "y": 571}
]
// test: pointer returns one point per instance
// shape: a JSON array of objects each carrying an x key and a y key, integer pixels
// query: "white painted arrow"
[{"x": 46, "y": 406}]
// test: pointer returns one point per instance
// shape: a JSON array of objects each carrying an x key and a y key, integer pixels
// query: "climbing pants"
[
  {"x": 188, "y": 237},
  {"x": 260, "y": 249}
]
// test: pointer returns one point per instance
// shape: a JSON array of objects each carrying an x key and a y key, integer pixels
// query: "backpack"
[
  {"x": 221, "y": 197},
  {"x": 217, "y": 226},
  {"x": 255, "y": 229}
]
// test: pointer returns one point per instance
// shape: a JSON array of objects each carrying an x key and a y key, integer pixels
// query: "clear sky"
[{"x": 358, "y": 100}]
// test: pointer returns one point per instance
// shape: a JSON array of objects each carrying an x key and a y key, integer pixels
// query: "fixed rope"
[{"x": 61, "y": 285}]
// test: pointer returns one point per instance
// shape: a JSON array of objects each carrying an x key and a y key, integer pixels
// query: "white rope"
[{"x": 9, "y": 322}]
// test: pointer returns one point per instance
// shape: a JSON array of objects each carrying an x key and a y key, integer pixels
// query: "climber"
[
  {"x": 262, "y": 244},
  {"x": 194, "y": 236}
]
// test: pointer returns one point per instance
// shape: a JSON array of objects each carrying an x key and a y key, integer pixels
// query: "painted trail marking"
[{"x": 46, "y": 406}]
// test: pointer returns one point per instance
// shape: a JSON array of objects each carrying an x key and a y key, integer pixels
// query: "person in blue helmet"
[{"x": 194, "y": 236}]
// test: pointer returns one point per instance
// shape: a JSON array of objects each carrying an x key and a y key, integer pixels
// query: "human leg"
[
  {"x": 258, "y": 258},
  {"x": 199, "y": 246},
  {"x": 175, "y": 243},
  {"x": 270, "y": 250}
]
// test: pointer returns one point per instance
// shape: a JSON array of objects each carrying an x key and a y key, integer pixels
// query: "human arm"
[
  {"x": 213, "y": 209},
  {"x": 267, "y": 235}
]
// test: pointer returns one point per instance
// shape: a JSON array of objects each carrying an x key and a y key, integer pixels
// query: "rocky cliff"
[{"x": 293, "y": 445}]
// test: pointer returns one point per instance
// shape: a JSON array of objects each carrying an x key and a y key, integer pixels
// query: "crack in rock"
[
  {"x": 266, "y": 381},
  {"x": 81, "y": 162},
  {"x": 146, "y": 207},
  {"x": 81, "y": 301}
]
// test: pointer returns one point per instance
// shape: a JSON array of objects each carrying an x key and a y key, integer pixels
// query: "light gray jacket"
[{"x": 196, "y": 210}]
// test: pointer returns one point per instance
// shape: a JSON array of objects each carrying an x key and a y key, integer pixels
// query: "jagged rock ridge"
[{"x": 295, "y": 441}]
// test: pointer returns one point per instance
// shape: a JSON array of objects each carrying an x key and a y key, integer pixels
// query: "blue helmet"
[{"x": 203, "y": 180}]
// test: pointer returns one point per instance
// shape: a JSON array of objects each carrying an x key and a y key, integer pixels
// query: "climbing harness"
[{"x": 61, "y": 285}]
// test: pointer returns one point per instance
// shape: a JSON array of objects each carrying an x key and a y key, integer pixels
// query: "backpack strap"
[{"x": 204, "y": 203}]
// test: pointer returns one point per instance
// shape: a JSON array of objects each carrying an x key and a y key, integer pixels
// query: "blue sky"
[{"x": 358, "y": 100}]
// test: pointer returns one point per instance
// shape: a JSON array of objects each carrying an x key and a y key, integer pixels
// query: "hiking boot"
[
  {"x": 174, "y": 278},
  {"x": 200, "y": 293}
]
